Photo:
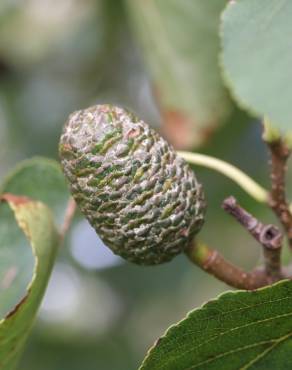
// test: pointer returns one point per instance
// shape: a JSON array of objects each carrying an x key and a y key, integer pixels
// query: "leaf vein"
[
  {"x": 265, "y": 352},
  {"x": 227, "y": 332}
]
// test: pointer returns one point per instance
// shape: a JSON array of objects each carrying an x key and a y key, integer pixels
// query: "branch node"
[{"x": 269, "y": 236}]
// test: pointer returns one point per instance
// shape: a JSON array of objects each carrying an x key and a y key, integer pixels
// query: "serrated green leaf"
[
  {"x": 40, "y": 179},
  {"x": 36, "y": 222},
  {"x": 239, "y": 330},
  {"x": 257, "y": 57},
  {"x": 180, "y": 42}
]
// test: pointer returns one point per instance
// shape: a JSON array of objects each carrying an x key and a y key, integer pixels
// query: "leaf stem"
[
  {"x": 215, "y": 264},
  {"x": 251, "y": 187},
  {"x": 68, "y": 218}
]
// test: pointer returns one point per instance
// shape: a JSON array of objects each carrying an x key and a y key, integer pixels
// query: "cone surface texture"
[{"x": 141, "y": 198}]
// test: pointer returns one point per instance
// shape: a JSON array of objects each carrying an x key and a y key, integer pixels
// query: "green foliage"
[
  {"x": 36, "y": 222},
  {"x": 239, "y": 330},
  {"x": 40, "y": 179},
  {"x": 16, "y": 262},
  {"x": 181, "y": 44},
  {"x": 28, "y": 247},
  {"x": 257, "y": 57},
  {"x": 79, "y": 53}
]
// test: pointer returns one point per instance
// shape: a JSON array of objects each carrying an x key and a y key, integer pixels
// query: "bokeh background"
[{"x": 57, "y": 56}]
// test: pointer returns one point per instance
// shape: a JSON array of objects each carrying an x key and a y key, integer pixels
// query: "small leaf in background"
[
  {"x": 181, "y": 45},
  {"x": 36, "y": 222},
  {"x": 239, "y": 330},
  {"x": 257, "y": 57},
  {"x": 16, "y": 261},
  {"x": 25, "y": 262},
  {"x": 40, "y": 179}
]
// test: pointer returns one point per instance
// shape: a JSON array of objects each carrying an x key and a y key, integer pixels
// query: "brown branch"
[
  {"x": 69, "y": 215},
  {"x": 215, "y": 264},
  {"x": 269, "y": 236},
  {"x": 277, "y": 201}
]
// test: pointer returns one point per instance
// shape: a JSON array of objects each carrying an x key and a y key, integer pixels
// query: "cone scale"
[{"x": 141, "y": 198}]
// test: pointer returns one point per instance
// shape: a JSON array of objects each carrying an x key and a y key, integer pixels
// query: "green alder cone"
[{"x": 141, "y": 198}]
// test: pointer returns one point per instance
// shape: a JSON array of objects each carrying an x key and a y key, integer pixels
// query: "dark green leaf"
[
  {"x": 257, "y": 57},
  {"x": 239, "y": 330}
]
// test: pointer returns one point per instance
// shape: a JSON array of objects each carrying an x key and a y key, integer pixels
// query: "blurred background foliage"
[{"x": 57, "y": 56}]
